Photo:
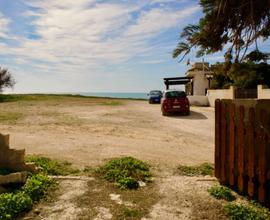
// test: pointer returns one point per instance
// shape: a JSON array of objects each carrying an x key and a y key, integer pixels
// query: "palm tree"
[{"x": 234, "y": 24}]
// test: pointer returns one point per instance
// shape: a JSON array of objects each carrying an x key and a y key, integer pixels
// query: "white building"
[{"x": 201, "y": 78}]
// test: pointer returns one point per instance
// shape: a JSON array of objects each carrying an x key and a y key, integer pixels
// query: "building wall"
[
  {"x": 198, "y": 100},
  {"x": 214, "y": 94},
  {"x": 200, "y": 83},
  {"x": 263, "y": 92}
]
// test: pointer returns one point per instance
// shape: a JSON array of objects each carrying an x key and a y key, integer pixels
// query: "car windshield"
[
  {"x": 155, "y": 93},
  {"x": 175, "y": 94}
]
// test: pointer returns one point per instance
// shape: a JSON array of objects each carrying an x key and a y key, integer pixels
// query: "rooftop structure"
[{"x": 201, "y": 79}]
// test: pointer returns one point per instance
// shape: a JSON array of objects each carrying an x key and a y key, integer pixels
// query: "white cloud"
[
  {"x": 158, "y": 20},
  {"x": 96, "y": 34},
  {"x": 4, "y": 22},
  {"x": 81, "y": 37}
]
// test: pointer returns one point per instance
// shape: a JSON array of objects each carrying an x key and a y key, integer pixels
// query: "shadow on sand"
[{"x": 193, "y": 116}]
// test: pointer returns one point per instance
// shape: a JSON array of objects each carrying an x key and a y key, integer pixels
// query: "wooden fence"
[{"x": 242, "y": 148}]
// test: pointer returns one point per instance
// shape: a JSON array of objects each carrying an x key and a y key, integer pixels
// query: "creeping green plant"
[
  {"x": 125, "y": 172},
  {"x": 221, "y": 192}
]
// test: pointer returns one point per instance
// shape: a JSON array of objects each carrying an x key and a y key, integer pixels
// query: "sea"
[{"x": 131, "y": 95}]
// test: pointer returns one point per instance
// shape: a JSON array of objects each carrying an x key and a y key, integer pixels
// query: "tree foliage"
[
  {"x": 6, "y": 79},
  {"x": 234, "y": 25},
  {"x": 245, "y": 75}
]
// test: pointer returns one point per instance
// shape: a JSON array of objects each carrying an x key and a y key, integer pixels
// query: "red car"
[{"x": 175, "y": 101}]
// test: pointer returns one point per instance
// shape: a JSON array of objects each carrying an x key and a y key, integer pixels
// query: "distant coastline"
[{"x": 123, "y": 95}]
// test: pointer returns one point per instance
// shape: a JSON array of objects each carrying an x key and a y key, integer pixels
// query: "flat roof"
[{"x": 177, "y": 80}]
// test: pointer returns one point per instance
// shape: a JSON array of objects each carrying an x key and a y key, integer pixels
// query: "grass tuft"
[
  {"x": 53, "y": 167},
  {"x": 111, "y": 103},
  {"x": 131, "y": 213},
  {"x": 221, "y": 192},
  {"x": 125, "y": 172},
  {"x": 10, "y": 117},
  {"x": 203, "y": 169},
  {"x": 246, "y": 212}
]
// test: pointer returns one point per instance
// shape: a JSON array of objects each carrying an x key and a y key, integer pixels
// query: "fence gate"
[{"x": 242, "y": 147}]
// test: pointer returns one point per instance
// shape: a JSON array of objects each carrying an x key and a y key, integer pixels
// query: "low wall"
[
  {"x": 198, "y": 100},
  {"x": 263, "y": 92},
  {"x": 214, "y": 94},
  {"x": 11, "y": 158}
]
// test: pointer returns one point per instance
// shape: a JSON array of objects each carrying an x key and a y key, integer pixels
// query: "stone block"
[
  {"x": 11, "y": 158},
  {"x": 19, "y": 177},
  {"x": 4, "y": 142}
]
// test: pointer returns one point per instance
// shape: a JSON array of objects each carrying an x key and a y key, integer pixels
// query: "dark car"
[
  {"x": 155, "y": 96},
  {"x": 175, "y": 101}
]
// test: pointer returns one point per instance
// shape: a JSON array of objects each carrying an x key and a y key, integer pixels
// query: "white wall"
[
  {"x": 214, "y": 94},
  {"x": 200, "y": 83},
  {"x": 198, "y": 100},
  {"x": 263, "y": 92}
]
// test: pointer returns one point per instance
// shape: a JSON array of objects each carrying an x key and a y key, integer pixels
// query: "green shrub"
[
  {"x": 36, "y": 186},
  {"x": 246, "y": 212},
  {"x": 203, "y": 169},
  {"x": 53, "y": 167},
  {"x": 125, "y": 172},
  {"x": 12, "y": 204},
  {"x": 128, "y": 183},
  {"x": 221, "y": 192}
]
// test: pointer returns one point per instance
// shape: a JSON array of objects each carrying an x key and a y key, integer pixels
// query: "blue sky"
[{"x": 94, "y": 45}]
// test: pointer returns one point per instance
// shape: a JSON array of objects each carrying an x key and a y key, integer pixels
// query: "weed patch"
[
  {"x": 141, "y": 200},
  {"x": 111, "y": 103},
  {"x": 246, "y": 212},
  {"x": 221, "y": 192},
  {"x": 34, "y": 97},
  {"x": 125, "y": 172},
  {"x": 36, "y": 186},
  {"x": 203, "y": 169},
  {"x": 10, "y": 117},
  {"x": 14, "y": 203},
  {"x": 130, "y": 213},
  {"x": 53, "y": 167},
  {"x": 69, "y": 120},
  {"x": 9, "y": 98}
]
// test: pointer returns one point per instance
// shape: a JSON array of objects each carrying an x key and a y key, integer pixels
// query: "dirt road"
[{"x": 86, "y": 133}]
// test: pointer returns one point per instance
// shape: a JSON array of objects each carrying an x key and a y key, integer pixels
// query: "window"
[{"x": 175, "y": 94}]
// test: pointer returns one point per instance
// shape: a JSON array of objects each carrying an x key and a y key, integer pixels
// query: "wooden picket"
[
  {"x": 242, "y": 149},
  {"x": 231, "y": 145}
]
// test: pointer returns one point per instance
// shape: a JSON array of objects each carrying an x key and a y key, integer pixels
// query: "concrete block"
[
  {"x": 12, "y": 158},
  {"x": 19, "y": 177},
  {"x": 197, "y": 100}
]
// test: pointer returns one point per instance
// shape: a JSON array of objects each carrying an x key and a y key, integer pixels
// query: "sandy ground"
[
  {"x": 86, "y": 134},
  {"x": 181, "y": 198}
]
